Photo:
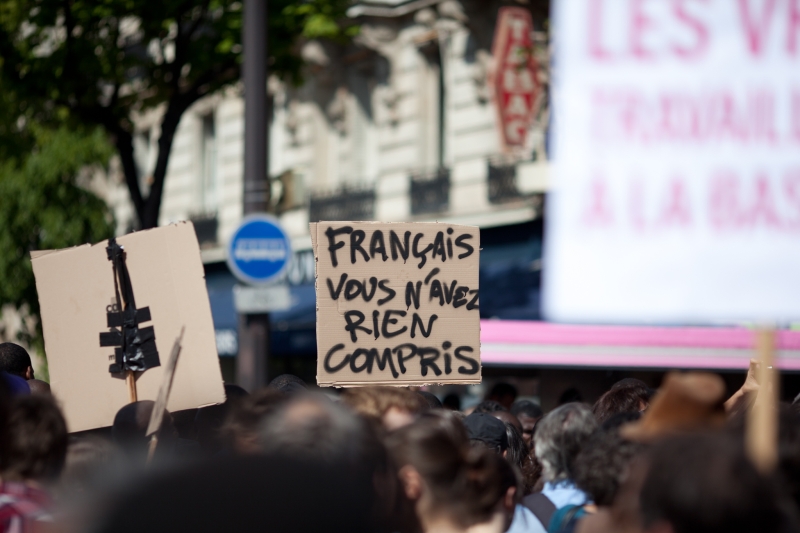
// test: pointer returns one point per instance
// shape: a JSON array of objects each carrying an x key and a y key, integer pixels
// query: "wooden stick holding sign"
[
  {"x": 762, "y": 421},
  {"x": 157, "y": 416},
  {"x": 130, "y": 379}
]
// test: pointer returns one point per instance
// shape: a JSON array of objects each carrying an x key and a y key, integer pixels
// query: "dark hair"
[
  {"x": 630, "y": 399},
  {"x": 452, "y": 401},
  {"x": 502, "y": 389},
  {"x": 14, "y": 359},
  {"x": 465, "y": 483},
  {"x": 288, "y": 384},
  {"x": 36, "y": 443},
  {"x": 430, "y": 399},
  {"x": 705, "y": 483},
  {"x": 526, "y": 408},
  {"x": 632, "y": 383},
  {"x": 614, "y": 422},
  {"x": 602, "y": 463},
  {"x": 130, "y": 428},
  {"x": 517, "y": 449},
  {"x": 571, "y": 395},
  {"x": 313, "y": 428},
  {"x": 243, "y": 422},
  {"x": 488, "y": 406}
]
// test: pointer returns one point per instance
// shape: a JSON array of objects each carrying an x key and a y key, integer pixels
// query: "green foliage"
[
  {"x": 43, "y": 206},
  {"x": 99, "y": 62},
  {"x": 80, "y": 54}
]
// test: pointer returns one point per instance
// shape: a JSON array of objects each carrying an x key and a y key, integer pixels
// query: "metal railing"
[
  {"x": 430, "y": 192},
  {"x": 344, "y": 203},
  {"x": 205, "y": 226},
  {"x": 502, "y": 181}
]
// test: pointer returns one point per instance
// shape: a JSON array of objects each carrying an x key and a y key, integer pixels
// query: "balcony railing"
[
  {"x": 502, "y": 180},
  {"x": 345, "y": 203},
  {"x": 205, "y": 226},
  {"x": 430, "y": 192}
]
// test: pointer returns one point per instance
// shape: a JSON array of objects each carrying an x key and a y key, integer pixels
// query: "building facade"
[{"x": 404, "y": 124}]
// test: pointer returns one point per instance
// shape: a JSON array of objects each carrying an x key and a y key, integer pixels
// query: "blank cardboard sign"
[
  {"x": 75, "y": 287},
  {"x": 397, "y": 303}
]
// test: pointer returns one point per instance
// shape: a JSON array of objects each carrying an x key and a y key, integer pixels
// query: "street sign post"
[
  {"x": 259, "y": 250},
  {"x": 258, "y": 254}
]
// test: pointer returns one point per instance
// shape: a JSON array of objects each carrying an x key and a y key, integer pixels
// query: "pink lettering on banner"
[
  {"x": 678, "y": 208},
  {"x": 695, "y": 25},
  {"x": 595, "y": 34},
  {"x": 756, "y": 26},
  {"x": 627, "y": 115},
  {"x": 598, "y": 211},
  {"x": 793, "y": 20},
  {"x": 640, "y": 23}
]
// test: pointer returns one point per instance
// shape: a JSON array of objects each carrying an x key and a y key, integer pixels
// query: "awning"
[{"x": 531, "y": 343}]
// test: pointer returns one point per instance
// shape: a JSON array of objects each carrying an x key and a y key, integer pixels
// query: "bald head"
[
  {"x": 38, "y": 386},
  {"x": 130, "y": 424}
]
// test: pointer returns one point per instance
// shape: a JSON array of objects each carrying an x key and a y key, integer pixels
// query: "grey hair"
[{"x": 559, "y": 438}]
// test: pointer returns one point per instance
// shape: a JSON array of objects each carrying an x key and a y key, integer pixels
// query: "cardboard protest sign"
[
  {"x": 397, "y": 303},
  {"x": 676, "y": 149},
  {"x": 77, "y": 293}
]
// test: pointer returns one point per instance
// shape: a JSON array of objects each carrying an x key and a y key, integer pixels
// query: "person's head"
[
  {"x": 88, "y": 458},
  {"x": 15, "y": 360},
  {"x": 485, "y": 430},
  {"x": 448, "y": 480},
  {"x": 129, "y": 430},
  {"x": 602, "y": 464},
  {"x": 503, "y": 393},
  {"x": 391, "y": 406},
  {"x": 243, "y": 422},
  {"x": 571, "y": 395},
  {"x": 36, "y": 441},
  {"x": 508, "y": 418},
  {"x": 633, "y": 398},
  {"x": 488, "y": 406},
  {"x": 311, "y": 430},
  {"x": 528, "y": 414},
  {"x": 704, "y": 483},
  {"x": 559, "y": 438},
  {"x": 38, "y": 386},
  {"x": 452, "y": 401},
  {"x": 288, "y": 384},
  {"x": 430, "y": 399},
  {"x": 208, "y": 420}
]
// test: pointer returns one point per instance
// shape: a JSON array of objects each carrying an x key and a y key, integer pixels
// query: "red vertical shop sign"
[{"x": 514, "y": 80}]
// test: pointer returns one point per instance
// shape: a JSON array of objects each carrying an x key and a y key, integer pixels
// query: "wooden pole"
[
  {"x": 130, "y": 378},
  {"x": 762, "y": 421},
  {"x": 160, "y": 406}
]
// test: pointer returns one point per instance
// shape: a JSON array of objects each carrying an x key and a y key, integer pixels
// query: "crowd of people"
[{"x": 383, "y": 459}]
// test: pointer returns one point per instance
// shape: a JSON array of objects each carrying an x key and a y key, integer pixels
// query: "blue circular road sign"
[{"x": 259, "y": 250}]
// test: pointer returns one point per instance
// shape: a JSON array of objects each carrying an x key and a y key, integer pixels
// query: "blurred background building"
[
  {"x": 400, "y": 125},
  {"x": 437, "y": 110}
]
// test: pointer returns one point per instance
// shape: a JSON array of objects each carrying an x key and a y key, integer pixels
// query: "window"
[{"x": 208, "y": 191}]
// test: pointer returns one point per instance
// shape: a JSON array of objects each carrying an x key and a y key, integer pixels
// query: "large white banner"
[{"x": 677, "y": 161}]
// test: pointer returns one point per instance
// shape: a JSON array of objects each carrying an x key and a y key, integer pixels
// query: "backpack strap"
[{"x": 541, "y": 506}]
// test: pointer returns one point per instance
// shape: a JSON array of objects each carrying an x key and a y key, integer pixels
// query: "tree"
[
  {"x": 45, "y": 204},
  {"x": 104, "y": 61}
]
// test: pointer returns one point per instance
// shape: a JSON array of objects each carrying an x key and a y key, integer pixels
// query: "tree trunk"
[
  {"x": 148, "y": 217},
  {"x": 124, "y": 145}
]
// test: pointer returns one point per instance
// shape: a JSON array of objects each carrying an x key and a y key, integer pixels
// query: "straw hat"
[{"x": 685, "y": 402}]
